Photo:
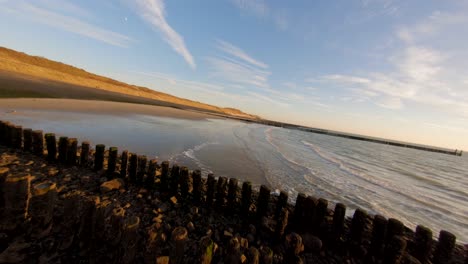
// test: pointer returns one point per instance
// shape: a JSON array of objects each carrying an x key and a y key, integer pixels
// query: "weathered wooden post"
[
  {"x": 294, "y": 247},
  {"x": 27, "y": 139},
  {"x": 72, "y": 151},
  {"x": 444, "y": 248},
  {"x": 339, "y": 215},
  {"x": 281, "y": 203},
  {"x": 358, "y": 225},
  {"x": 233, "y": 190},
  {"x": 197, "y": 186},
  {"x": 129, "y": 241},
  {"x": 16, "y": 195},
  {"x": 221, "y": 189},
  {"x": 263, "y": 200},
  {"x": 179, "y": 238},
  {"x": 379, "y": 230},
  {"x": 281, "y": 223},
  {"x": 2, "y": 132},
  {"x": 84, "y": 155},
  {"x": 142, "y": 166},
  {"x": 184, "y": 182},
  {"x": 246, "y": 200},
  {"x": 320, "y": 214},
  {"x": 99, "y": 157},
  {"x": 63, "y": 149},
  {"x": 44, "y": 197},
  {"x": 18, "y": 137},
  {"x": 394, "y": 228},
  {"x": 210, "y": 192},
  {"x": 175, "y": 178},
  {"x": 151, "y": 176},
  {"x": 422, "y": 243},
  {"x": 9, "y": 134},
  {"x": 132, "y": 168},
  {"x": 207, "y": 250},
  {"x": 112, "y": 161},
  {"x": 308, "y": 222},
  {"x": 299, "y": 212},
  {"x": 394, "y": 250},
  {"x": 51, "y": 146},
  {"x": 165, "y": 175},
  {"x": 124, "y": 164},
  {"x": 38, "y": 142}
]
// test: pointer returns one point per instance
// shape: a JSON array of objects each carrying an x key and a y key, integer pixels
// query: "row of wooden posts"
[{"x": 308, "y": 214}]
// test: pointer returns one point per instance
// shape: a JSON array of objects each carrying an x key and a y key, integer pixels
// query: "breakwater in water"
[{"x": 103, "y": 201}]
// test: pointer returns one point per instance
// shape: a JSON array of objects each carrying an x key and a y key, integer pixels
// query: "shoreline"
[{"x": 105, "y": 197}]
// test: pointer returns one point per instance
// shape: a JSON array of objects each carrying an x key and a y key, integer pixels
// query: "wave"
[{"x": 190, "y": 153}]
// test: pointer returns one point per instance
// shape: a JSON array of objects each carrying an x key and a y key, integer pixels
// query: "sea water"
[{"x": 416, "y": 187}]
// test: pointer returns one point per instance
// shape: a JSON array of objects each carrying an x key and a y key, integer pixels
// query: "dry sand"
[{"x": 96, "y": 107}]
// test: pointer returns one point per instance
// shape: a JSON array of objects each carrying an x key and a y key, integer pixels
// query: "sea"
[{"x": 414, "y": 186}]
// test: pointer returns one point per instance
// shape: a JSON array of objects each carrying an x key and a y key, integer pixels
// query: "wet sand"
[{"x": 12, "y": 106}]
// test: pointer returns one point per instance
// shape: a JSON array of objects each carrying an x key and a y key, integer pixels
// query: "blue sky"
[{"x": 385, "y": 68}]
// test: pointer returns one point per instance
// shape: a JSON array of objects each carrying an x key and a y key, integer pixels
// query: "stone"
[
  {"x": 111, "y": 185},
  {"x": 311, "y": 243},
  {"x": 162, "y": 260},
  {"x": 173, "y": 200}
]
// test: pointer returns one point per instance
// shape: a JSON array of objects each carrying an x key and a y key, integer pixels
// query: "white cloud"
[
  {"x": 153, "y": 12},
  {"x": 390, "y": 102},
  {"x": 262, "y": 10},
  {"x": 43, "y": 15},
  {"x": 257, "y": 7},
  {"x": 239, "y": 53}
]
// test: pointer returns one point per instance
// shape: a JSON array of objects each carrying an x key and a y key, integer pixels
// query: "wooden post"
[
  {"x": 246, "y": 201},
  {"x": 394, "y": 228},
  {"x": 444, "y": 248},
  {"x": 142, "y": 166},
  {"x": 124, "y": 164},
  {"x": 51, "y": 146},
  {"x": 263, "y": 200},
  {"x": 38, "y": 142},
  {"x": 221, "y": 189},
  {"x": 184, "y": 182},
  {"x": 18, "y": 137},
  {"x": 307, "y": 222},
  {"x": 394, "y": 250},
  {"x": 9, "y": 134},
  {"x": 175, "y": 178},
  {"x": 2, "y": 132},
  {"x": 320, "y": 214},
  {"x": 179, "y": 238},
  {"x": 16, "y": 195},
  {"x": 422, "y": 243},
  {"x": 210, "y": 192},
  {"x": 165, "y": 175},
  {"x": 63, "y": 149},
  {"x": 281, "y": 223},
  {"x": 27, "y": 139},
  {"x": 379, "y": 230},
  {"x": 132, "y": 168},
  {"x": 129, "y": 241},
  {"x": 112, "y": 161},
  {"x": 281, "y": 203},
  {"x": 339, "y": 215},
  {"x": 233, "y": 190},
  {"x": 84, "y": 156},
  {"x": 358, "y": 224},
  {"x": 72, "y": 151},
  {"x": 99, "y": 157},
  {"x": 207, "y": 250},
  {"x": 299, "y": 212},
  {"x": 151, "y": 176},
  {"x": 197, "y": 186},
  {"x": 44, "y": 197}
]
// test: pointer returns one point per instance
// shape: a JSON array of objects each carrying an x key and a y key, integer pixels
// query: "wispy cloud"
[
  {"x": 153, "y": 12},
  {"x": 261, "y": 10},
  {"x": 47, "y": 12},
  {"x": 236, "y": 66},
  {"x": 257, "y": 7}
]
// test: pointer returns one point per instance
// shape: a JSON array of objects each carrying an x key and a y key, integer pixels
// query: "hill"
[{"x": 12, "y": 61}]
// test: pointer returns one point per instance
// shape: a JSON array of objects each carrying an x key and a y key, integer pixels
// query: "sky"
[{"x": 383, "y": 68}]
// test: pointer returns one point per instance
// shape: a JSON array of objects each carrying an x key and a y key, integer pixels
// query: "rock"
[
  {"x": 162, "y": 260},
  {"x": 174, "y": 200},
  {"x": 227, "y": 233},
  {"x": 111, "y": 185},
  {"x": 311, "y": 243},
  {"x": 190, "y": 227}
]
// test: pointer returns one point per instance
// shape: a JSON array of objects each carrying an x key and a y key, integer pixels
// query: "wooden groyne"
[{"x": 62, "y": 202}]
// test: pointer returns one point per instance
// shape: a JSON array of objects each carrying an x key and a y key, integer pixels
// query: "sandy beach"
[{"x": 15, "y": 106}]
